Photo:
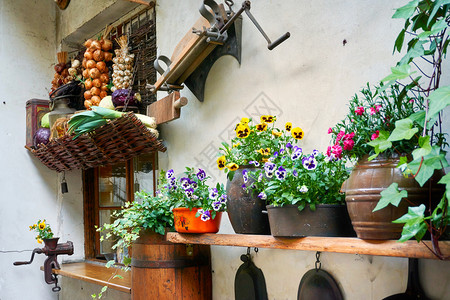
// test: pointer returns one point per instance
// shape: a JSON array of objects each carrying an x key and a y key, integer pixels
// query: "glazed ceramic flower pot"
[
  {"x": 367, "y": 180},
  {"x": 246, "y": 211},
  {"x": 186, "y": 222},
  {"x": 327, "y": 220}
]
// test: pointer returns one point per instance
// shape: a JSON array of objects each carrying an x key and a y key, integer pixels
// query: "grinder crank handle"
[
  {"x": 278, "y": 41},
  {"x": 36, "y": 250}
]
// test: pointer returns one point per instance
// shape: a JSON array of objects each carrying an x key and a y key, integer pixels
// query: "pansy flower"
[
  {"x": 216, "y": 205},
  {"x": 223, "y": 199},
  {"x": 221, "y": 161},
  {"x": 297, "y": 153},
  {"x": 309, "y": 163},
  {"x": 201, "y": 175},
  {"x": 297, "y": 133},
  {"x": 261, "y": 127},
  {"x": 294, "y": 173},
  {"x": 189, "y": 192},
  {"x": 288, "y": 126},
  {"x": 264, "y": 152},
  {"x": 262, "y": 196},
  {"x": 245, "y": 175},
  {"x": 268, "y": 166},
  {"x": 254, "y": 162},
  {"x": 268, "y": 119},
  {"x": 303, "y": 189},
  {"x": 170, "y": 174},
  {"x": 280, "y": 173},
  {"x": 315, "y": 152},
  {"x": 185, "y": 183},
  {"x": 245, "y": 120},
  {"x": 213, "y": 193},
  {"x": 193, "y": 184},
  {"x": 276, "y": 133},
  {"x": 232, "y": 166},
  {"x": 260, "y": 177},
  {"x": 242, "y": 131},
  {"x": 206, "y": 215}
]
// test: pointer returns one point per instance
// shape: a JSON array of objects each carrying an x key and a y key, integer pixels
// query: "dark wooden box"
[{"x": 35, "y": 108}]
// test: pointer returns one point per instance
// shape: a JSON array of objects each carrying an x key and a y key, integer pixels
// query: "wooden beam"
[{"x": 324, "y": 244}]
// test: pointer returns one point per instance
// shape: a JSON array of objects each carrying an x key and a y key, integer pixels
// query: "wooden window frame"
[{"x": 91, "y": 207}]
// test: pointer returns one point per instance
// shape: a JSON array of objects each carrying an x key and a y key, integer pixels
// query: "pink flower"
[
  {"x": 339, "y": 136},
  {"x": 348, "y": 144},
  {"x": 329, "y": 151},
  {"x": 375, "y": 135},
  {"x": 359, "y": 111},
  {"x": 349, "y": 136},
  {"x": 374, "y": 110},
  {"x": 336, "y": 150},
  {"x": 411, "y": 101},
  {"x": 330, "y": 130}
]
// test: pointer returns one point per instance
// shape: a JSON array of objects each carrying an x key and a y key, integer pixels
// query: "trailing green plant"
[
  {"x": 425, "y": 34},
  {"x": 292, "y": 177},
  {"x": 153, "y": 213}
]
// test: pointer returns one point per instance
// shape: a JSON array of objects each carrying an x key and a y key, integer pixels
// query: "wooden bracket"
[{"x": 167, "y": 108}]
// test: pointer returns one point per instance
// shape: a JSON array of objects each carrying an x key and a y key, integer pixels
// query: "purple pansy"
[
  {"x": 217, "y": 205},
  {"x": 185, "y": 183},
  {"x": 288, "y": 145},
  {"x": 315, "y": 152},
  {"x": 223, "y": 199},
  {"x": 245, "y": 175},
  {"x": 309, "y": 162},
  {"x": 189, "y": 192},
  {"x": 206, "y": 215},
  {"x": 262, "y": 196},
  {"x": 295, "y": 173},
  {"x": 269, "y": 166},
  {"x": 213, "y": 193},
  {"x": 280, "y": 173},
  {"x": 170, "y": 174},
  {"x": 201, "y": 175},
  {"x": 254, "y": 162}
]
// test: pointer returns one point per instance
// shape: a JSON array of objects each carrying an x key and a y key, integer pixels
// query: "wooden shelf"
[
  {"x": 324, "y": 244},
  {"x": 97, "y": 274}
]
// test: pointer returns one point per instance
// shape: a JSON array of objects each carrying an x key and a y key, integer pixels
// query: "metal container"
[
  {"x": 246, "y": 211},
  {"x": 327, "y": 220}
]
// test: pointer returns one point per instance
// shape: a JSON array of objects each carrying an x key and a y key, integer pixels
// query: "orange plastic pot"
[{"x": 186, "y": 222}]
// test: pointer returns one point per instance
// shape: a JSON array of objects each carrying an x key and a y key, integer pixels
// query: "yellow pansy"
[
  {"x": 276, "y": 133},
  {"x": 242, "y": 131},
  {"x": 288, "y": 126},
  {"x": 268, "y": 119},
  {"x": 245, "y": 121},
  {"x": 261, "y": 127},
  {"x": 232, "y": 166},
  {"x": 221, "y": 162},
  {"x": 39, "y": 240},
  {"x": 297, "y": 133},
  {"x": 42, "y": 225},
  {"x": 236, "y": 145}
]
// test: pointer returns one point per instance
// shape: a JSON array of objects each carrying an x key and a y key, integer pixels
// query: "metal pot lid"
[{"x": 318, "y": 284}]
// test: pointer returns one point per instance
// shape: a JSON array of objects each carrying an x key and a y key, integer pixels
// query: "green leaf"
[
  {"x": 398, "y": 72},
  {"x": 437, "y": 27},
  {"x": 399, "y": 41},
  {"x": 413, "y": 52},
  {"x": 425, "y": 147},
  {"x": 438, "y": 100},
  {"x": 414, "y": 223},
  {"x": 110, "y": 263},
  {"x": 118, "y": 276},
  {"x": 435, "y": 160},
  {"x": 446, "y": 180},
  {"x": 381, "y": 143},
  {"x": 126, "y": 261},
  {"x": 403, "y": 130},
  {"x": 405, "y": 12},
  {"x": 436, "y": 7},
  {"x": 391, "y": 195}
]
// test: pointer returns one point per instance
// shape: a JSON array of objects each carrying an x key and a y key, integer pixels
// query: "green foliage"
[
  {"x": 154, "y": 213},
  {"x": 391, "y": 195},
  {"x": 43, "y": 230}
]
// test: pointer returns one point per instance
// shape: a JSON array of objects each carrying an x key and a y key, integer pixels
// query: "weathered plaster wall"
[
  {"x": 307, "y": 80},
  {"x": 28, "y": 190}
]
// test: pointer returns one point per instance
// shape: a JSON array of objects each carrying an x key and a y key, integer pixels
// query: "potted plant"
[
  {"x": 253, "y": 145},
  {"x": 198, "y": 206},
  {"x": 142, "y": 226},
  {"x": 419, "y": 131},
  {"x": 303, "y": 193},
  {"x": 45, "y": 234}
]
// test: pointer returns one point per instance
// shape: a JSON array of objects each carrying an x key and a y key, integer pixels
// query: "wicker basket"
[{"x": 117, "y": 141}]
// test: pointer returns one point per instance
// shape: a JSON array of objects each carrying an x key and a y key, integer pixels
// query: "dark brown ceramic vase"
[
  {"x": 367, "y": 180},
  {"x": 247, "y": 212}
]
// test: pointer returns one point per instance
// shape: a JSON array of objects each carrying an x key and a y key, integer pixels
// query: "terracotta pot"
[
  {"x": 186, "y": 222},
  {"x": 51, "y": 243},
  {"x": 327, "y": 220},
  {"x": 246, "y": 211},
  {"x": 367, "y": 180}
]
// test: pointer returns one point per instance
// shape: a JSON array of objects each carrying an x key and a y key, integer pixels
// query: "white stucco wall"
[
  {"x": 306, "y": 80},
  {"x": 28, "y": 190}
]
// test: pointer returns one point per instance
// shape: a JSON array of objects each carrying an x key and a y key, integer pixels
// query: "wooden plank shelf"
[
  {"x": 97, "y": 274},
  {"x": 324, "y": 244}
]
